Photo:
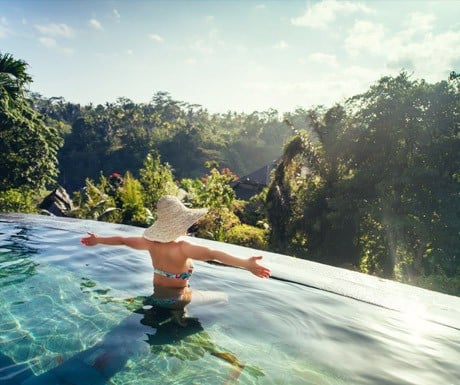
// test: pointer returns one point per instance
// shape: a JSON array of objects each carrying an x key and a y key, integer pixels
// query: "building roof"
[{"x": 251, "y": 184}]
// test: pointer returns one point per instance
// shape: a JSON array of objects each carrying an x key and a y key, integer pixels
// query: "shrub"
[
  {"x": 132, "y": 208},
  {"x": 18, "y": 201},
  {"x": 216, "y": 224},
  {"x": 93, "y": 203},
  {"x": 249, "y": 236}
]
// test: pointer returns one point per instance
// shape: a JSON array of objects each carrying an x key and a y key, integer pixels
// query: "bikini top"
[{"x": 185, "y": 275}]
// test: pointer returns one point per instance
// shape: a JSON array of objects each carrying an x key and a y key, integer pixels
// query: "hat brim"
[{"x": 170, "y": 228}]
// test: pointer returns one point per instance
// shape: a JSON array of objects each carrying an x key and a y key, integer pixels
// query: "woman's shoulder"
[
  {"x": 194, "y": 250},
  {"x": 182, "y": 243}
]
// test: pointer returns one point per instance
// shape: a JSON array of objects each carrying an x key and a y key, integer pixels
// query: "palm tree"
[{"x": 13, "y": 75}]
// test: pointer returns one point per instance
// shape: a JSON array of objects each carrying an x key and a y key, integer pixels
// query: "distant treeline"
[
  {"x": 372, "y": 183},
  {"x": 116, "y": 137}
]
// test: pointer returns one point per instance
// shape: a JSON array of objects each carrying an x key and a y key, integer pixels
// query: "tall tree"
[
  {"x": 381, "y": 187},
  {"x": 28, "y": 147},
  {"x": 405, "y": 147}
]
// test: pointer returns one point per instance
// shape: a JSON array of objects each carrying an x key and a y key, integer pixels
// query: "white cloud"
[
  {"x": 3, "y": 28},
  {"x": 417, "y": 47},
  {"x": 206, "y": 44},
  {"x": 365, "y": 37},
  {"x": 47, "y": 42},
  {"x": 420, "y": 22},
  {"x": 349, "y": 81},
  {"x": 55, "y": 30},
  {"x": 305, "y": 94},
  {"x": 202, "y": 47},
  {"x": 321, "y": 14},
  {"x": 241, "y": 49},
  {"x": 260, "y": 6},
  {"x": 50, "y": 33},
  {"x": 432, "y": 56},
  {"x": 190, "y": 61},
  {"x": 416, "y": 26},
  {"x": 326, "y": 88},
  {"x": 116, "y": 14},
  {"x": 155, "y": 37},
  {"x": 322, "y": 59},
  {"x": 281, "y": 45},
  {"x": 210, "y": 19},
  {"x": 51, "y": 43},
  {"x": 96, "y": 24},
  {"x": 360, "y": 75}
]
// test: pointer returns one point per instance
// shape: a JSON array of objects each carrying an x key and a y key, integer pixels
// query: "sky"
[{"x": 228, "y": 55}]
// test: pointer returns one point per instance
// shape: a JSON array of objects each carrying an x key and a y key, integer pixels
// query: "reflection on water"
[
  {"x": 75, "y": 311},
  {"x": 16, "y": 256},
  {"x": 177, "y": 335}
]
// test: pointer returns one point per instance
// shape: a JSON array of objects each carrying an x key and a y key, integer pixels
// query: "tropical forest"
[{"x": 370, "y": 184}]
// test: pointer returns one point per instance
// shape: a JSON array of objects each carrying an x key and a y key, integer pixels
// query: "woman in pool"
[{"x": 172, "y": 257}]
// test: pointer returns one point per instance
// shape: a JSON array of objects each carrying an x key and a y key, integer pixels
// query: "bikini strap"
[{"x": 184, "y": 275}]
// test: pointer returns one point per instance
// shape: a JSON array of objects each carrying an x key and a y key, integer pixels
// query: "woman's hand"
[
  {"x": 90, "y": 240},
  {"x": 256, "y": 269}
]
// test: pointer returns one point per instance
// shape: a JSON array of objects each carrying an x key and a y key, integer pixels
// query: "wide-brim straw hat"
[{"x": 173, "y": 220}]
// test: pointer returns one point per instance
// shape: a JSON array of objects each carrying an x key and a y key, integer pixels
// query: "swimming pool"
[{"x": 67, "y": 316}]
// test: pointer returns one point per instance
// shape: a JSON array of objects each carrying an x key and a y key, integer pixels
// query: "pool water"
[{"x": 72, "y": 315}]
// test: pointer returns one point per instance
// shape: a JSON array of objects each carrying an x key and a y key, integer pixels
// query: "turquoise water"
[{"x": 67, "y": 316}]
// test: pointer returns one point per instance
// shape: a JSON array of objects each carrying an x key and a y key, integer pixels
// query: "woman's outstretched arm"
[
  {"x": 204, "y": 253},
  {"x": 133, "y": 242}
]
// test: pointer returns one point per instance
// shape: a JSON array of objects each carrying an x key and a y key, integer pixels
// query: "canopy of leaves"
[
  {"x": 28, "y": 147},
  {"x": 375, "y": 183},
  {"x": 116, "y": 137}
]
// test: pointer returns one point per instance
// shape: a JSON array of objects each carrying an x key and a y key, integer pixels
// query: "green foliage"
[
  {"x": 13, "y": 75},
  {"x": 133, "y": 211},
  {"x": 248, "y": 236},
  {"x": 93, "y": 203},
  {"x": 295, "y": 194},
  {"x": 252, "y": 212},
  {"x": 374, "y": 254},
  {"x": 28, "y": 147},
  {"x": 437, "y": 282},
  {"x": 156, "y": 180},
  {"x": 380, "y": 185},
  {"x": 412, "y": 189},
  {"x": 18, "y": 201},
  {"x": 217, "y": 224},
  {"x": 116, "y": 137},
  {"x": 119, "y": 204},
  {"x": 214, "y": 192}
]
